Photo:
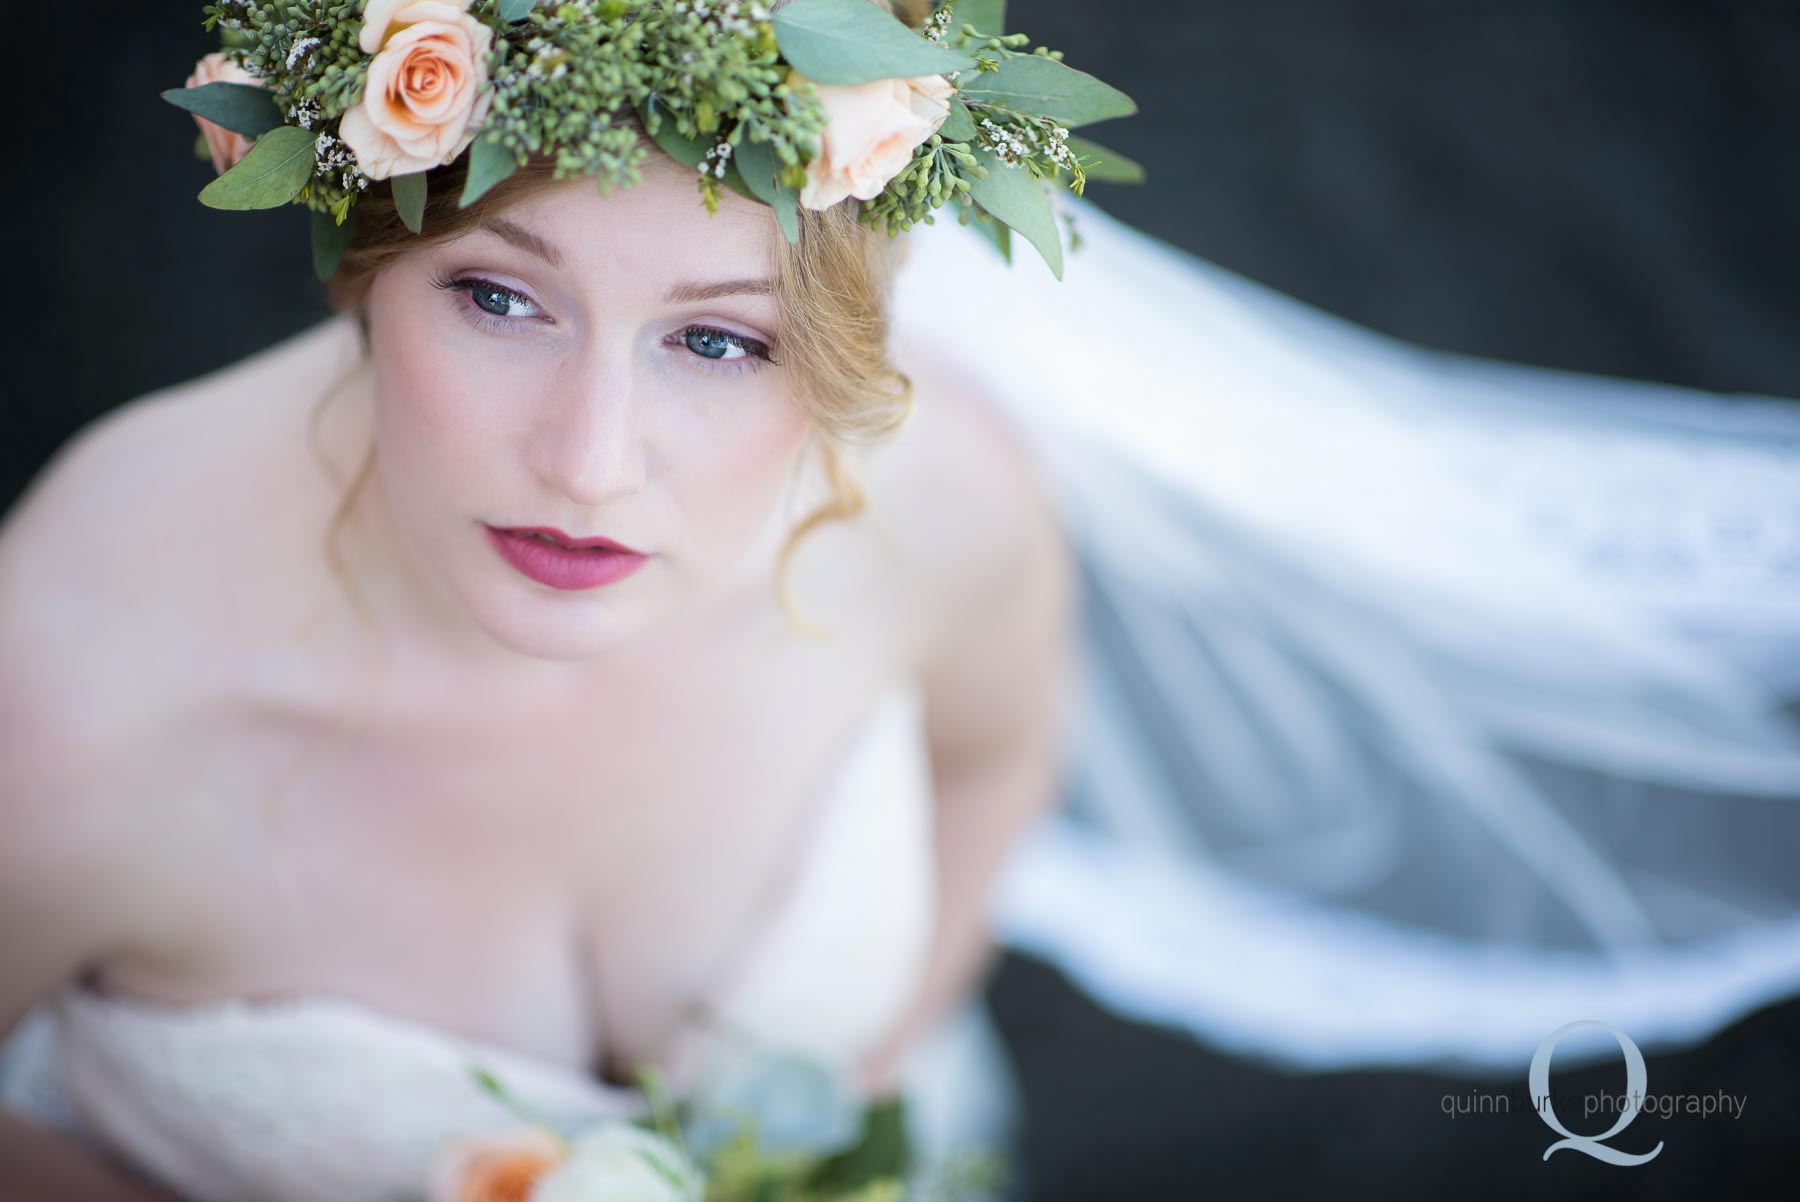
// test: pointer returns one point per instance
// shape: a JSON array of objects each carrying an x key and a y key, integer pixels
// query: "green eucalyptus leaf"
[
  {"x": 959, "y": 126},
  {"x": 853, "y": 41},
  {"x": 329, "y": 241},
  {"x": 757, "y": 162},
  {"x": 689, "y": 152},
  {"x": 272, "y": 174},
  {"x": 490, "y": 162},
  {"x": 1013, "y": 196},
  {"x": 409, "y": 199},
  {"x": 787, "y": 213},
  {"x": 202, "y": 151},
  {"x": 515, "y": 10},
  {"x": 1032, "y": 84},
  {"x": 1112, "y": 168},
  {"x": 734, "y": 180},
  {"x": 761, "y": 170},
  {"x": 998, "y": 234},
  {"x": 239, "y": 107},
  {"x": 882, "y": 1153},
  {"x": 989, "y": 16}
]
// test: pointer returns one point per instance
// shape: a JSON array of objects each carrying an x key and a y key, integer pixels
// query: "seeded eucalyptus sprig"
[
  {"x": 1009, "y": 125},
  {"x": 304, "y": 51},
  {"x": 559, "y": 81},
  {"x": 728, "y": 87},
  {"x": 938, "y": 175}
]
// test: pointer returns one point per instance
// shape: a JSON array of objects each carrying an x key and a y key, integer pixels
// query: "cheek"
[
  {"x": 759, "y": 462},
  {"x": 736, "y": 470},
  {"x": 431, "y": 385}
]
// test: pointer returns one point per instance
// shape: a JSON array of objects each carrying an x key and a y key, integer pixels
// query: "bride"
[
  {"x": 498, "y": 667},
  {"x": 1418, "y": 705}
]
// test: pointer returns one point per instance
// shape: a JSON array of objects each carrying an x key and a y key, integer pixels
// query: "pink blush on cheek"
[
  {"x": 425, "y": 355},
  {"x": 437, "y": 393},
  {"x": 742, "y": 477},
  {"x": 433, "y": 381}
]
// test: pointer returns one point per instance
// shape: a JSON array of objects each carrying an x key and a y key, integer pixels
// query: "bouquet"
[{"x": 781, "y": 1129}]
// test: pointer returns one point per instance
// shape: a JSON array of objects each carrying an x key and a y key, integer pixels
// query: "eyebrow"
[
  {"x": 690, "y": 293},
  {"x": 524, "y": 239},
  {"x": 682, "y": 294}
]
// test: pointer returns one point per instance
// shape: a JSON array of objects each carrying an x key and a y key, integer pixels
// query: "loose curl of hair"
[{"x": 832, "y": 287}]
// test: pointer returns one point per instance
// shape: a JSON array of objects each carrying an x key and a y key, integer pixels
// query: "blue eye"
[
  {"x": 717, "y": 344},
  {"x": 713, "y": 342},
  {"x": 501, "y": 302},
  {"x": 490, "y": 298}
]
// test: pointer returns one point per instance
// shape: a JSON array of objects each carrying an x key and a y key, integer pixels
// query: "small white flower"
[
  {"x": 300, "y": 50},
  {"x": 620, "y": 1163},
  {"x": 306, "y": 114}
]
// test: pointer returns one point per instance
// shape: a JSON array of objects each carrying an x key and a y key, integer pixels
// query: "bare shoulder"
[
  {"x": 110, "y": 564},
  {"x": 110, "y": 559},
  {"x": 120, "y": 624},
  {"x": 77, "y": 859},
  {"x": 964, "y": 498},
  {"x": 173, "y": 454}
]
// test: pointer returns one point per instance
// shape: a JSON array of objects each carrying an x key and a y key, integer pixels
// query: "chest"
[{"x": 564, "y": 880}]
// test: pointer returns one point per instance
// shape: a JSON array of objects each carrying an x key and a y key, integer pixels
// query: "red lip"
[
  {"x": 569, "y": 540},
  {"x": 590, "y": 564}
]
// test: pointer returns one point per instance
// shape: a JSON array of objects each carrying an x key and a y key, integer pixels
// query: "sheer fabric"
[{"x": 1431, "y": 702}]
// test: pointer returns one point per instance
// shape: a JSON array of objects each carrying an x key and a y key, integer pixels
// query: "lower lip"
[{"x": 562, "y": 568}]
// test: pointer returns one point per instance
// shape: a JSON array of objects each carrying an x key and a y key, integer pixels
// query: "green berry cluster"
[
  {"x": 942, "y": 170},
  {"x": 716, "y": 84},
  {"x": 561, "y": 79},
  {"x": 717, "y": 73},
  {"x": 304, "y": 51},
  {"x": 938, "y": 175}
]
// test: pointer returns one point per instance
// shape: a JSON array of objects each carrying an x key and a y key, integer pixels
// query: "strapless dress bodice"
[{"x": 324, "y": 1098}]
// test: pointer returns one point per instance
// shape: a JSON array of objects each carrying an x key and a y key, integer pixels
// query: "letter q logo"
[{"x": 1636, "y": 1078}]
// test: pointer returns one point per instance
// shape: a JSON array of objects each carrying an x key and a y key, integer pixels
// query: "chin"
[
  {"x": 543, "y": 623},
  {"x": 565, "y": 628}
]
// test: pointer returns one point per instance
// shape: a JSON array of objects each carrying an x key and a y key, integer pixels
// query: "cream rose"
[
  {"x": 871, "y": 131},
  {"x": 226, "y": 146},
  {"x": 611, "y": 1163},
  {"x": 427, "y": 86}
]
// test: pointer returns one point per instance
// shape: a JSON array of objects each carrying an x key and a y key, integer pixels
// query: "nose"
[{"x": 591, "y": 446}]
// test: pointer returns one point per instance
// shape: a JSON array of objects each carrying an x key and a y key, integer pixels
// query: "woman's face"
[{"x": 601, "y": 366}]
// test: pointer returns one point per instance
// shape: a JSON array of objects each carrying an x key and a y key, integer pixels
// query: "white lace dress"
[{"x": 322, "y": 1098}]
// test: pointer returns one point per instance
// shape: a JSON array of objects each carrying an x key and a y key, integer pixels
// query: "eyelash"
[{"x": 757, "y": 354}]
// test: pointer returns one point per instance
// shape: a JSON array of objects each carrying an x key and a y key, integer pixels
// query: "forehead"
[{"x": 656, "y": 230}]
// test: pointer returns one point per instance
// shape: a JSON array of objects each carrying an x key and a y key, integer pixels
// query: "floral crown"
[{"x": 798, "y": 105}]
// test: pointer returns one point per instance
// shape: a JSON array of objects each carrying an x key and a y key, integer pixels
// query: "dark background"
[{"x": 1589, "y": 184}]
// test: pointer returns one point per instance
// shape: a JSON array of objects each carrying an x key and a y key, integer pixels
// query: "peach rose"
[
  {"x": 871, "y": 131},
  {"x": 226, "y": 146},
  {"x": 495, "y": 1168},
  {"x": 382, "y": 17},
  {"x": 427, "y": 86}
]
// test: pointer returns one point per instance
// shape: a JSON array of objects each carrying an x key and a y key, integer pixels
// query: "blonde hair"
[{"x": 832, "y": 287}]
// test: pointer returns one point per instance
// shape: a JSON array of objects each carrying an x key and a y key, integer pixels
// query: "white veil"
[{"x": 1432, "y": 703}]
